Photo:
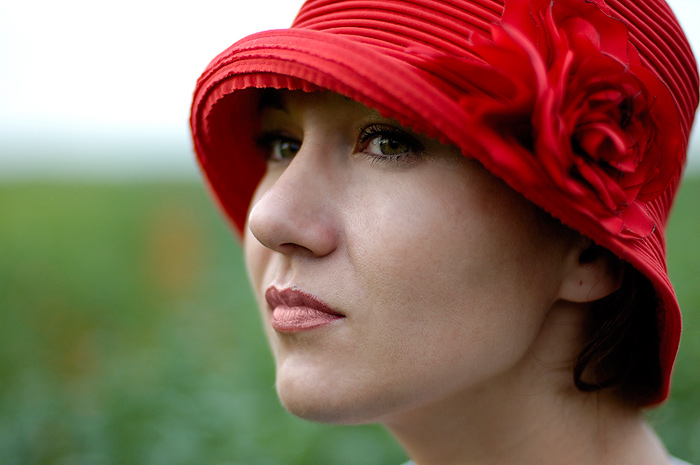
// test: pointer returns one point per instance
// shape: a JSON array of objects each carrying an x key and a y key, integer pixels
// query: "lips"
[{"x": 295, "y": 311}]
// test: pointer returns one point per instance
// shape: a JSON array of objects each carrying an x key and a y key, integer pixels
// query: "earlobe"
[{"x": 593, "y": 273}]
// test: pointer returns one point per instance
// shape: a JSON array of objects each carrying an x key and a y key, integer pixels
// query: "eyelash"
[{"x": 267, "y": 143}]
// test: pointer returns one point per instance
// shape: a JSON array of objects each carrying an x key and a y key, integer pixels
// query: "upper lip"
[{"x": 295, "y": 298}]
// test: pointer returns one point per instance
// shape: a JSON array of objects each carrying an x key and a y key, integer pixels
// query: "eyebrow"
[{"x": 271, "y": 98}]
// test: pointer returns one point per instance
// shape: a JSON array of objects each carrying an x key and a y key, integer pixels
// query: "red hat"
[{"x": 582, "y": 106}]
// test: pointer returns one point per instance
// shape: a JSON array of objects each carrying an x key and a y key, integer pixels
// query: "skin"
[{"x": 463, "y": 305}]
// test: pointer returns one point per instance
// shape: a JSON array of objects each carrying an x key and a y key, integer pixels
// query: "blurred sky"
[{"x": 90, "y": 88}]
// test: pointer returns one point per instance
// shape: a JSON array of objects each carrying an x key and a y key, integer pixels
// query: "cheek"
[
  {"x": 255, "y": 256},
  {"x": 459, "y": 269},
  {"x": 441, "y": 243}
]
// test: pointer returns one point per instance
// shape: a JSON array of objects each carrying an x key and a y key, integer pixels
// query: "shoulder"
[{"x": 674, "y": 461}]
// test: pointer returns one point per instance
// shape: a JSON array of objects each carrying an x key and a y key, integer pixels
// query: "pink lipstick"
[{"x": 294, "y": 311}]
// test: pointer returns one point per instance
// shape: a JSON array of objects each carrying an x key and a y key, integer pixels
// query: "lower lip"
[{"x": 295, "y": 319}]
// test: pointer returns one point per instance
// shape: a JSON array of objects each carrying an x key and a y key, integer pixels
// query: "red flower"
[{"x": 561, "y": 85}]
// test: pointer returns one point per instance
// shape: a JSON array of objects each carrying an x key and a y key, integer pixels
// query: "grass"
[{"x": 128, "y": 336}]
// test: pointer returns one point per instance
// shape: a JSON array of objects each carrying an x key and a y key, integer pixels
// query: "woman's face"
[{"x": 392, "y": 272}]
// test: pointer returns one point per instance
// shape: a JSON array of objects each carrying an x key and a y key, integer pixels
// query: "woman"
[{"x": 453, "y": 216}]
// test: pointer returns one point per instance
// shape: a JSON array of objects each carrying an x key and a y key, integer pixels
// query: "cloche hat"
[{"x": 582, "y": 106}]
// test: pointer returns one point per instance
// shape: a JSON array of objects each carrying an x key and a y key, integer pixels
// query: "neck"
[
  {"x": 527, "y": 431},
  {"x": 530, "y": 415}
]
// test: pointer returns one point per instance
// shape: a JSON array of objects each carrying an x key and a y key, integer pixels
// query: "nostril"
[{"x": 290, "y": 248}]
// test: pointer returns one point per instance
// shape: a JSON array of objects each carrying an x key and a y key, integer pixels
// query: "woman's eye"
[
  {"x": 282, "y": 150},
  {"x": 382, "y": 145},
  {"x": 278, "y": 148},
  {"x": 389, "y": 144}
]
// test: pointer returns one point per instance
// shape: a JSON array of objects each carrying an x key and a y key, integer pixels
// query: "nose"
[{"x": 294, "y": 213}]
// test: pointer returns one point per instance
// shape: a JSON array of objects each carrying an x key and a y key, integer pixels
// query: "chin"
[
  {"x": 317, "y": 402},
  {"x": 330, "y": 409},
  {"x": 338, "y": 402}
]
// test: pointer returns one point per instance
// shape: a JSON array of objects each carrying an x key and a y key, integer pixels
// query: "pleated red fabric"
[{"x": 583, "y": 106}]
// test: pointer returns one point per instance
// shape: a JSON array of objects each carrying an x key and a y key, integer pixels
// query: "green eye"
[
  {"x": 281, "y": 150},
  {"x": 388, "y": 146},
  {"x": 277, "y": 147}
]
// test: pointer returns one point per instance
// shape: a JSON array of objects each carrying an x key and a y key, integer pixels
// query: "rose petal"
[
  {"x": 558, "y": 97},
  {"x": 638, "y": 223}
]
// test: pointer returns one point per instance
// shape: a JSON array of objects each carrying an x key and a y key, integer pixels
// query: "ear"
[{"x": 593, "y": 273}]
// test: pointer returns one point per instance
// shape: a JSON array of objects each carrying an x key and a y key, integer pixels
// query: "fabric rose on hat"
[{"x": 559, "y": 96}]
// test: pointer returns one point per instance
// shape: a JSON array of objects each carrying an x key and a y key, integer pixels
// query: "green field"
[{"x": 128, "y": 336}]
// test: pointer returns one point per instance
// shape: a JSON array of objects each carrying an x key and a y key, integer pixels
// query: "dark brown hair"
[{"x": 622, "y": 351}]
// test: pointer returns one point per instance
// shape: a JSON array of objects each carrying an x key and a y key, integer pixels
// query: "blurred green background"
[{"x": 128, "y": 335}]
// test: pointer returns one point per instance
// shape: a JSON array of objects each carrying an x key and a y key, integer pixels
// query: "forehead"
[{"x": 293, "y": 101}]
